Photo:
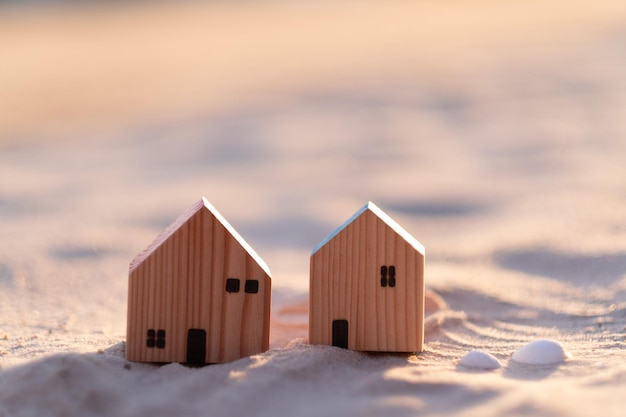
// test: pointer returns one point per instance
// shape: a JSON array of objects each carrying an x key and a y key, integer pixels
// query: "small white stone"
[
  {"x": 541, "y": 352},
  {"x": 479, "y": 359}
]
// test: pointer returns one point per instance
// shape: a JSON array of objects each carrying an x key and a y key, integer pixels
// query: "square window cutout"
[
  {"x": 252, "y": 286},
  {"x": 232, "y": 285}
]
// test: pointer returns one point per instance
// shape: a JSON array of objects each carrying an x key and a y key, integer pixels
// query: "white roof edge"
[
  {"x": 340, "y": 228},
  {"x": 237, "y": 236},
  {"x": 164, "y": 235},
  {"x": 384, "y": 217},
  {"x": 396, "y": 227}
]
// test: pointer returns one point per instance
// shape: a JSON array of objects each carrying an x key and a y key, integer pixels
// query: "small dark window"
[
  {"x": 232, "y": 285},
  {"x": 156, "y": 339},
  {"x": 252, "y": 286},
  {"x": 388, "y": 280}
]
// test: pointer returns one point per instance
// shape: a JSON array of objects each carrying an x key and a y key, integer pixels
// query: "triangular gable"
[
  {"x": 164, "y": 235},
  {"x": 237, "y": 237},
  {"x": 203, "y": 203},
  {"x": 381, "y": 215}
]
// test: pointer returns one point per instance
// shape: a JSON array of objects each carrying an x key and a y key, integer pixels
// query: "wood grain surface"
[
  {"x": 179, "y": 283},
  {"x": 346, "y": 284}
]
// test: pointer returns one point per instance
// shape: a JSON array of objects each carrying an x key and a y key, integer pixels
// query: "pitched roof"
[
  {"x": 381, "y": 215},
  {"x": 202, "y": 204}
]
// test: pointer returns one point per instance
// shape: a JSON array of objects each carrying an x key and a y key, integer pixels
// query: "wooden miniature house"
[
  {"x": 198, "y": 294},
  {"x": 367, "y": 286}
]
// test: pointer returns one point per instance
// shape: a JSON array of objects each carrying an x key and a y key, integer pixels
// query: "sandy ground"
[{"x": 493, "y": 134}]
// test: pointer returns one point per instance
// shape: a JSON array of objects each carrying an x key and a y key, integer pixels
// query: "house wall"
[
  {"x": 182, "y": 285},
  {"x": 345, "y": 284}
]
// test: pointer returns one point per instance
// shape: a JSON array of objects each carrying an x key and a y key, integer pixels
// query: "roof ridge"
[
  {"x": 378, "y": 212},
  {"x": 164, "y": 235},
  {"x": 180, "y": 220},
  {"x": 237, "y": 236}
]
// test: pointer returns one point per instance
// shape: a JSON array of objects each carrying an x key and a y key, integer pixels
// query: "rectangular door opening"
[
  {"x": 340, "y": 333},
  {"x": 196, "y": 347}
]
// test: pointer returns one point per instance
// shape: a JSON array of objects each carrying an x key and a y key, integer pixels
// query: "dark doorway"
[
  {"x": 196, "y": 347},
  {"x": 340, "y": 333}
]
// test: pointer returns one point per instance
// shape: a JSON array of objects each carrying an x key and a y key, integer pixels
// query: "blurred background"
[{"x": 482, "y": 127}]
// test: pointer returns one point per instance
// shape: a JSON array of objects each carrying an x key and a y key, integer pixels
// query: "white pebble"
[
  {"x": 541, "y": 352},
  {"x": 479, "y": 359}
]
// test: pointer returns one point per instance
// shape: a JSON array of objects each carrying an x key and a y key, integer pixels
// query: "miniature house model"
[
  {"x": 198, "y": 294},
  {"x": 367, "y": 286}
]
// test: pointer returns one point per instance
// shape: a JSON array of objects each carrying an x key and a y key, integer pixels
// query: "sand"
[{"x": 492, "y": 134}]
